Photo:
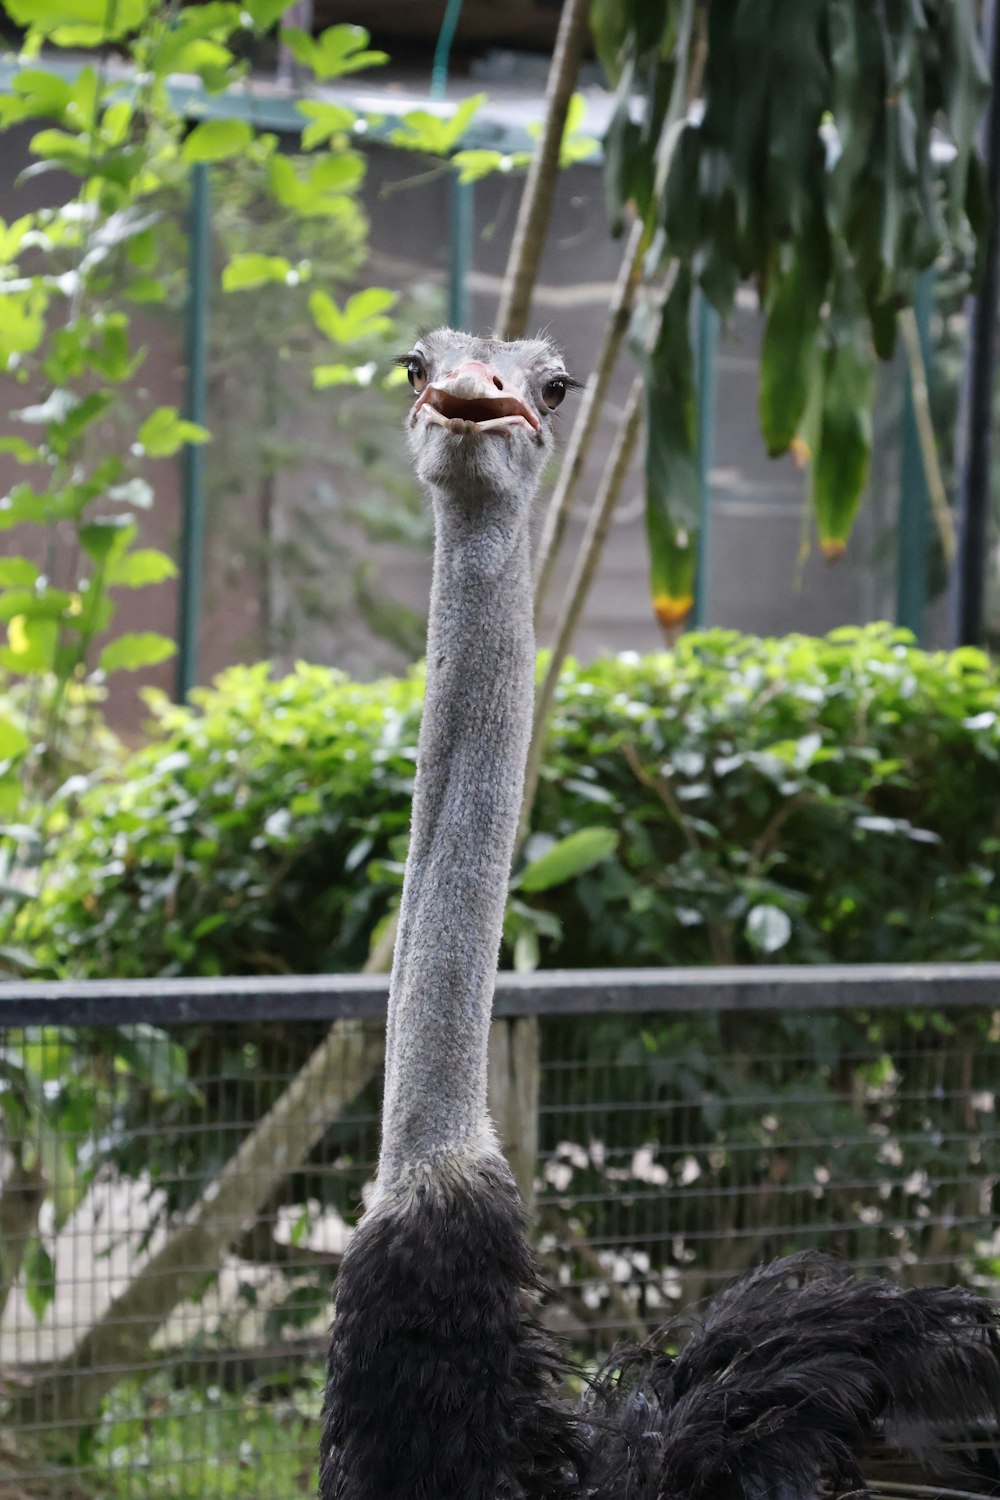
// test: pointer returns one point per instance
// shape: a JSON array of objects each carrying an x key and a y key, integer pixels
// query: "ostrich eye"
[
  {"x": 416, "y": 372},
  {"x": 553, "y": 391}
]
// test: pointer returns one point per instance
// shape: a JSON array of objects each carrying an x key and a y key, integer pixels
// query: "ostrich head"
[{"x": 481, "y": 425}]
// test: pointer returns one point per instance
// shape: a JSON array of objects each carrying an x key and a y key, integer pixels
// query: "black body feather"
[
  {"x": 789, "y": 1379},
  {"x": 441, "y": 1385}
]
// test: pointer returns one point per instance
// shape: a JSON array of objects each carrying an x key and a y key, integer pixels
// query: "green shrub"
[{"x": 795, "y": 799}]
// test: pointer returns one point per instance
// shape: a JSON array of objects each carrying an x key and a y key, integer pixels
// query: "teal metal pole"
[
  {"x": 192, "y": 456},
  {"x": 462, "y": 203},
  {"x": 707, "y": 353},
  {"x": 914, "y": 507},
  {"x": 462, "y": 216},
  {"x": 442, "y": 49}
]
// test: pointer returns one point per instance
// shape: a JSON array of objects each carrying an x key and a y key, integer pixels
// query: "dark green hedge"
[{"x": 795, "y": 799}]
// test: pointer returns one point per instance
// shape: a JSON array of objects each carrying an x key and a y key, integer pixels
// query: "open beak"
[{"x": 472, "y": 398}]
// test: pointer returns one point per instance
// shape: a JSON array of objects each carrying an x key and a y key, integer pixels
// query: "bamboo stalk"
[
  {"x": 564, "y": 494},
  {"x": 539, "y": 189},
  {"x": 587, "y": 560},
  {"x": 940, "y": 509}
]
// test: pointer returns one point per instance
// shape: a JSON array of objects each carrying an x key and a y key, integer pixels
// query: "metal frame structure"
[{"x": 550, "y": 992}]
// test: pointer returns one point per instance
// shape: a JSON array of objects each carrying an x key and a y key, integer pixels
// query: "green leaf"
[
  {"x": 437, "y": 134},
  {"x": 264, "y": 13},
  {"x": 153, "y": 1056},
  {"x": 567, "y": 859},
  {"x": 13, "y": 740},
  {"x": 326, "y": 120},
  {"x": 322, "y": 189},
  {"x": 165, "y": 431},
  {"x": 250, "y": 269},
  {"x": 105, "y": 536},
  {"x": 526, "y": 951},
  {"x": 145, "y": 565},
  {"x": 672, "y": 475},
  {"x": 22, "y": 450},
  {"x": 325, "y": 376},
  {"x": 22, "y": 323},
  {"x": 39, "y": 1277},
  {"x": 17, "y": 572},
  {"x": 474, "y": 165},
  {"x": 130, "y": 652},
  {"x": 145, "y": 289},
  {"x": 362, "y": 317},
  {"x": 840, "y": 464},
  {"x": 79, "y": 23},
  {"x": 34, "y": 604},
  {"x": 336, "y": 51},
  {"x": 35, "y": 92},
  {"x": 791, "y": 343},
  {"x": 574, "y": 146},
  {"x": 31, "y": 645},
  {"x": 214, "y": 140}
]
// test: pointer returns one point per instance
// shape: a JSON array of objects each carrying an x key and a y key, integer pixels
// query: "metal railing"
[{"x": 181, "y": 1162}]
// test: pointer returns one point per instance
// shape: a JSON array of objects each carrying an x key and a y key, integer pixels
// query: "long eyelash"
[
  {"x": 571, "y": 382},
  {"x": 404, "y": 359}
]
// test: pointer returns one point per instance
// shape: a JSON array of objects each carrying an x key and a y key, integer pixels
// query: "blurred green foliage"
[
  {"x": 794, "y": 800},
  {"x": 798, "y": 800}
]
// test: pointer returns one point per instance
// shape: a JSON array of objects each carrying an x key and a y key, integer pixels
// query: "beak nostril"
[{"x": 498, "y": 382}]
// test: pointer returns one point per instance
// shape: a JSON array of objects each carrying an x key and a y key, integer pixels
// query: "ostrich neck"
[{"x": 470, "y": 773}]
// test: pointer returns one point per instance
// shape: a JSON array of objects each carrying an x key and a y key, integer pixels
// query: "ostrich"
[{"x": 441, "y": 1383}]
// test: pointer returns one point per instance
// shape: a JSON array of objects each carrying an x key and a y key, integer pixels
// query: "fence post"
[{"x": 513, "y": 1093}]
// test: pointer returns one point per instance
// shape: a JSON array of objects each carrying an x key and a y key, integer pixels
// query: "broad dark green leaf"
[
  {"x": 791, "y": 340},
  {"x": 840, "y": 464}
]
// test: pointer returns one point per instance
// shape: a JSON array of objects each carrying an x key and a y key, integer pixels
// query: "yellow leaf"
[{"x": 671, "y": 612}]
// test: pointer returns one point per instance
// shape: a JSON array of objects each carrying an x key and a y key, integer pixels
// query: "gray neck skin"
[{"x": 470, "y": 772}]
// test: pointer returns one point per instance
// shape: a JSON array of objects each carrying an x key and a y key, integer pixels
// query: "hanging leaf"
[
  {"x": 673, "y": 563},
  {"x": 841, "y": 462},
  {"x": 672, "y": 475},
  {"x": 965, "y": 86},
  {"x": 791, "y": 341}
]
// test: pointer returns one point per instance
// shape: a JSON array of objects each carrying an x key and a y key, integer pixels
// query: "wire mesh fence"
[{"x": 175, "y": 1199}]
